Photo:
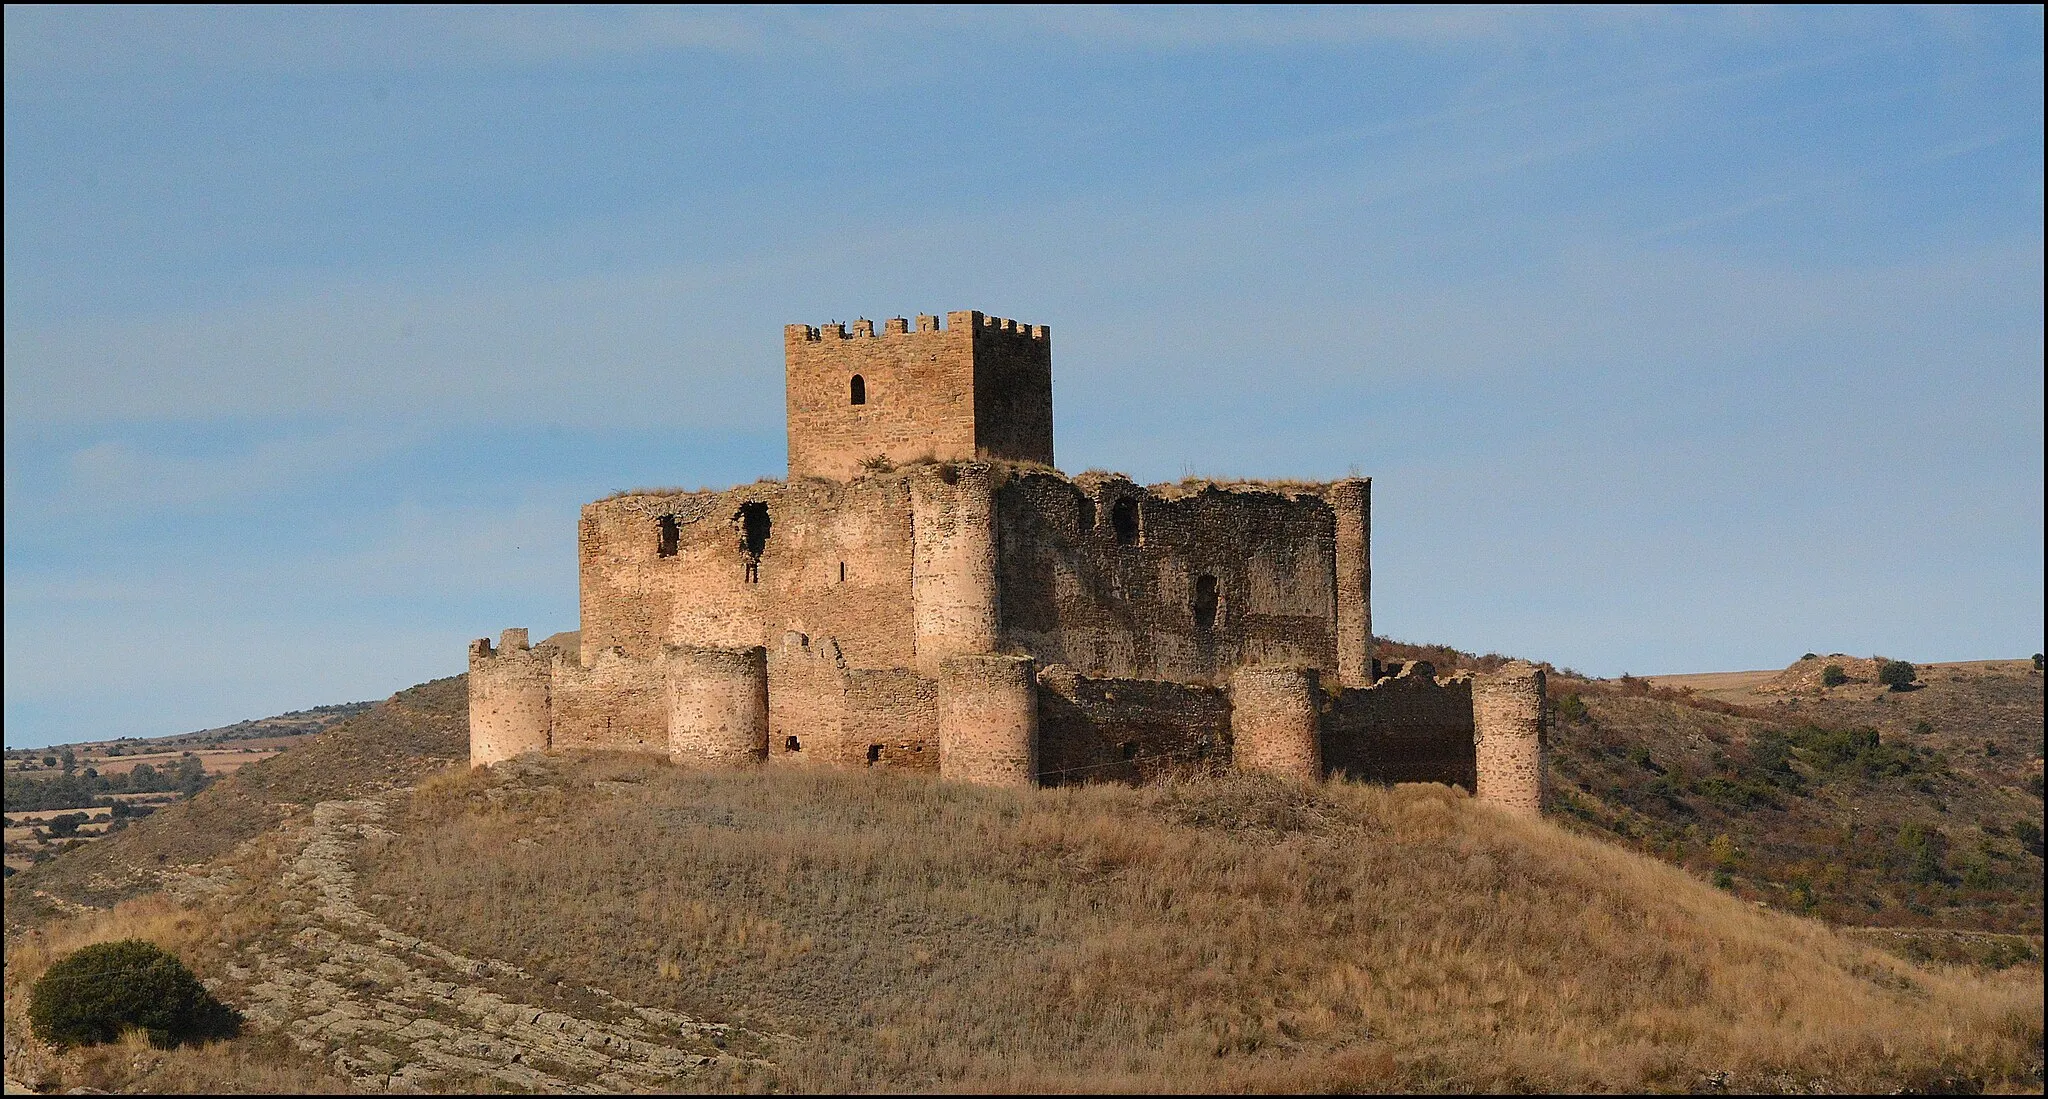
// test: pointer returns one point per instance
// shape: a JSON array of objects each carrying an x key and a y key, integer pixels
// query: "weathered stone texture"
[
  {"x": 717, "y": 704},
  {"x": 1115, "y": 597},
  {"x": 1127, "y": 730},
  {"x": 508, "y": 699},
  {"x": 1413, "y": 727},
  {"x": 980, "y": 387},
  {"x": 988, "y": 720},
  {"x": 1507, "y": 715},
  {"x": 834, "y": 561},
  {"x": 953, "y": 563},
  {"x": 617, "y": 703},
  {"x": 1274, "y": 721},
  {"x": 821, "y": 711},
  {"x": 1351, "y": 501}
]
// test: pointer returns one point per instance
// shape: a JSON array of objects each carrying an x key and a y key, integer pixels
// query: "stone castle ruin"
[{"x": 926, "y": 592}]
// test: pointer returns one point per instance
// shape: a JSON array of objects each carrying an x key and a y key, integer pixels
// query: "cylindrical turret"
[
  {"x": 953, "y": 563},
  {"x": 717, "y": 704},
  {"x": 1352, "y": 501},
  {"x": 508, "y": 699},
  {"x": 988, "y": 720},
  {"x": 1273, "y": 722},
  {"x": 1507, "y": 735}
]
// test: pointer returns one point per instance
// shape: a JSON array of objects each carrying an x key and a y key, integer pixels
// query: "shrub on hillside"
[
  {"x": 95, "y": 994},
  {"x": 1896, "y": 674},
  {"x": 1833, "y": 676}
]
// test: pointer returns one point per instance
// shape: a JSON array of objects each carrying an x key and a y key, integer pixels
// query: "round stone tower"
[
  {"x": 1507, "y": 736},
  {"x": 1273, "y": 721},
  {"x": 508, "y": 699},
  {"x": 988, "y": 720},
  {"x": 717, "y": 704},
  {"x": 953, "y": 563}
]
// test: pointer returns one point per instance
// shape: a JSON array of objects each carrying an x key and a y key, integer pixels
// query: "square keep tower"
[{"x": 976, "y": 387}]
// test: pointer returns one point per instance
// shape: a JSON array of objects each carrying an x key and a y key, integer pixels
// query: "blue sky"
[{"x": 1674, "y": 340}]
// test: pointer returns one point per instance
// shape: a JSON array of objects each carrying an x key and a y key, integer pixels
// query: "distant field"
[{"x": 221, "y": 751}]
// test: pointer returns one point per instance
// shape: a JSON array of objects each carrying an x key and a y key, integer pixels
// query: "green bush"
[
  {"x": 1833, "y": 676},
  {"x": 1896, "y": 674},
  {"x": 94, "y": 994}
]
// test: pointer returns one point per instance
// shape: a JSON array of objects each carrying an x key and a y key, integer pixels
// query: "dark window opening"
[
  {"x": 1123, "y": 518},
  {"x": 1130, "y": 750},
  {"x": 874, "y": 754},
  {"x": 792, "y": 745},
  {"x": 860, "y": 390},
  {"x": 670, "y": 534},
  {"x": 1087, "y": 514},
  {"x": 752, "y": 519},
  {"x": 842, "y": 572},
  {"x": 1205, "y": 601}
]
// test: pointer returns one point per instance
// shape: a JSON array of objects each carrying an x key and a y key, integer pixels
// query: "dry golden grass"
[{"x": 1234, "y": 934}]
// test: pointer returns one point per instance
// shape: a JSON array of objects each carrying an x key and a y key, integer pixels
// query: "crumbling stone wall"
[
  {"x": 979, "y": 387},
  {"x": 821, "y": 711},
  {"x": 1127, "y": 730},
  {"x": 617, "y": 703},
  {"x": 828, "y": 559},
  {"x": 1107, "y": 577},
  {"x": 1413, "y": 727}
]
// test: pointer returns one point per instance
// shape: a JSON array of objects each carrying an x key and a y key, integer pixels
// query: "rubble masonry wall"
[
  {"x": 1111, "y": 600},
  {"x": 1127, "y": 730}
]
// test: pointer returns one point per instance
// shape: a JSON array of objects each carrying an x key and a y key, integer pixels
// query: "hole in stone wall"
[
  {"x": 1205, "y": 601},
  {"x": 874, "y": 754},
  {"x": 842, "y": 572},
  {"x": 860, "y": 390},
  {"x": 670, "y": 533},
  {"x": 1087, "y": 514},
  {"x": 792, "y": 744},
  {"x": 752, "y": 519},
  {"x": 1130, "y": 750},
  {"x": 1123, "y": 518}
]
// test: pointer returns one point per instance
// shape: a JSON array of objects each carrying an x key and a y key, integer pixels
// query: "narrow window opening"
[
  {"x": 1130, "y": 750},
  {"x": 860, "y": 390},
  {"x": 1087, "y": 513},
  {"x": 1123, "y": 518},
  {"x": 874, "y": 754},
  {"x": 1205, "y": 601},
  {"x": 752, "y": 519},
  {"x": 792, "y": 744},
  {"x": 842, "y": 572},
  {"x": 670, "y": 534}
]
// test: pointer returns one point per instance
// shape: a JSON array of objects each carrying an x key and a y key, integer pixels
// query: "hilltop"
[
  {"x": 824, "y": 930},
  {"x": 814, "y": 929}
]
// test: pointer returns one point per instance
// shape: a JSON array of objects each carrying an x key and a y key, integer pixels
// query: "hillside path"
[{"x": 397, "y": 1013}]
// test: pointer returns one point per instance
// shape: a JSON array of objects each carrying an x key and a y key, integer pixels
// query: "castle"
[{"x": 926, "y": 592}]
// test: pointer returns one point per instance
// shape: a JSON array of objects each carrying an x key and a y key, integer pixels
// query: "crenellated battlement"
[
  {"x": 955, "y": 324},
  {"x": 959, "y": 387}
]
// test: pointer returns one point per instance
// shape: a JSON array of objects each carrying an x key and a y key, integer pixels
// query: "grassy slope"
[
  {"x": 413, "y": 733},
  {"x": 1223, "y": 935},
  {"x": 1924, "y": 830}
]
